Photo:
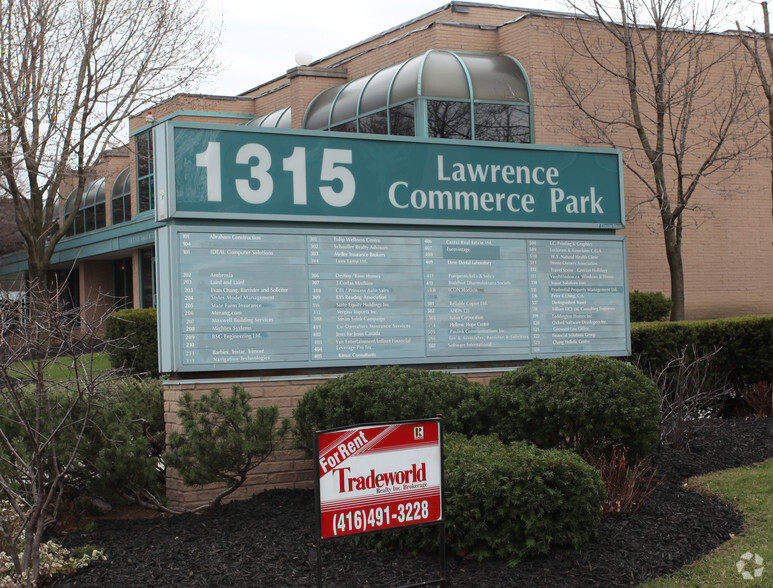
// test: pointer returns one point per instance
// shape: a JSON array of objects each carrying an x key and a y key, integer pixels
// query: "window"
[
  {"x": 69, "y": 206},
  {"x": 449, "y": 120},
  {"x": 121, "y": 198},
  {"x": 376, "y": 123},
  {"x": 123, "y": 283},
  {"x": 92, "y": 212},
  {"x": 440, "y": 94},
  {"x": 148, "y": 277},
  {"x": 401, "y": 120},
  {"x": 145, "y": 196}
]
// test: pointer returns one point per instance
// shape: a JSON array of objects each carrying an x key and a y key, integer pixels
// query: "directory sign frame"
[
  {"x": 252, "y": 297},
  {"x": 307, "y": 250}
]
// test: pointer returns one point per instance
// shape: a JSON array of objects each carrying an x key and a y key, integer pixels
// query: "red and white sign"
[{"x": 381, "y": 476}]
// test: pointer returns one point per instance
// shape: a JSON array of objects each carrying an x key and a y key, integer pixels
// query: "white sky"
[{"x": 262, "y": 37}]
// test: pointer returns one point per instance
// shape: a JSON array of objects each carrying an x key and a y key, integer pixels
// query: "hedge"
[
  {"x": 133, "y": 340},
  {"x": 745, "y": 345}
]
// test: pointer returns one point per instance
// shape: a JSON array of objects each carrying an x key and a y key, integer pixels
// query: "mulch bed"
[{"x": 269, "y": 540}]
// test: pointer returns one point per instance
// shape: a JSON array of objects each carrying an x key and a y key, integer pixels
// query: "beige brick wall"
[
  {"x": 728, "y": 240},
  {"x": 287, "y": 468}
]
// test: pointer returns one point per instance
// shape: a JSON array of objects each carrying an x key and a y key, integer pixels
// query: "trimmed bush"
[
  {"x": 133, "y": 340},
  {"x": 745, "y": 346},
  {"x": 506, "y": 502},
  {"x": 380, "y": 394},
  {"x": 649, "y": 306},
  {"x": 584, "y": 403},
  {"x": 516, "y": 501}
]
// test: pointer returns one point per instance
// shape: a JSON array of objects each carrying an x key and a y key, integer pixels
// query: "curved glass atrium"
[
  {"x": 91, "y": 214},
  {"x": 121, "y": 198},
  {"x": 278, "y": 119},
  {"x": 439, "y": 94}
]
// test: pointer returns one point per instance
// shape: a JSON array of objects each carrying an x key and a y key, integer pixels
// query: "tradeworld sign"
[
  {"x": 228, "y": 172},
  {"x": 381, "y": 476}
]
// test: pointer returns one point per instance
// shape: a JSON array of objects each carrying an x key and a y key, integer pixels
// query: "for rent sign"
[{"x": 380, "y": 476}]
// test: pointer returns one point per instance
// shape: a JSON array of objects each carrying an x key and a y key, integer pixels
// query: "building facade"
[{"x": 465, "y": 72}]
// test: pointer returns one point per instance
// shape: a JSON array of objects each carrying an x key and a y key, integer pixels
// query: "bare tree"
[
  {"x": 10, "y": 238},
  {"x": 752, "y": 40},
  {"x": 677, "y": 127},
  {"x": 71, "y": 72},
  {"x": 48, "y": 387}
]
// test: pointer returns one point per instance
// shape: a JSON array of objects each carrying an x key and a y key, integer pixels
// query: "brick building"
[
  {"x": 727, "y": 244},
  {"x": 462, "y": 71}
]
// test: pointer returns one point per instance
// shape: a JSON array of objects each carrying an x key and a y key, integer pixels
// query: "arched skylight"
[
  {"x": 443, "y": 94},
  {"x": 278, "y": 119},
  {"x": 91, "y": 214}
]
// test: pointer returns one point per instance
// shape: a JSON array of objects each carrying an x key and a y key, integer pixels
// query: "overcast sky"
[{"x": 262, "y": 37}]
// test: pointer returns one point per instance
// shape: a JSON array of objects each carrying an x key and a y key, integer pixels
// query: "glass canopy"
[
  {"x": 443, "y": 94},
  {"x": 278, "y": 119},
  {"x": 91, "y": 214}
]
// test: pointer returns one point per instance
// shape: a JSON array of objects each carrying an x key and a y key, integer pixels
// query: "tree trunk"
[{"x": 674, "y": 256}]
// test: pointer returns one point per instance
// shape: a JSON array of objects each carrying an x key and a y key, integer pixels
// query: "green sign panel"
[{"x": 228, "y": 172}]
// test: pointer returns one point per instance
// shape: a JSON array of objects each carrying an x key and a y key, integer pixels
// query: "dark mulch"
[{"x": 269, "y": 540}]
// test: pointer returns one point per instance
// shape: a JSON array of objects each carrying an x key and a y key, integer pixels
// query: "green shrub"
[
  {"x": 133, "y": 340},
  {"x": 649, "y": 306},
  {"x": 583, "y": 403},
  {"x": 380, "y": 394},
  {"x": 120, "y": 457},
  {"x": 744, "y": 344},
  {"x": 224, "y": 439},
  {"x": 506, "y": 502},
  {"x": 515, "y": 501}
]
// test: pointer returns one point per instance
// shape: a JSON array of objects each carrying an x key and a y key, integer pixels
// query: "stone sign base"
[{"x": 287, "y": 468}]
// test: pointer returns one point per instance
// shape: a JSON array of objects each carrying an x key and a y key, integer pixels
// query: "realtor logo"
[
  {"x": 750, "y": 566},
  {"x": 418, "y": 432}
]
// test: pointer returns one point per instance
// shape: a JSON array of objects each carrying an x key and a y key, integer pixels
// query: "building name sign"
[
  {"x": 248, "y": 173},
  {"x": 299, "y": 250}
]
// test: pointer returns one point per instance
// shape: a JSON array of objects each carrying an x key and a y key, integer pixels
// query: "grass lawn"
[
  {"x": 750, "y": 490},
  {"x": 61, "y": 369}
]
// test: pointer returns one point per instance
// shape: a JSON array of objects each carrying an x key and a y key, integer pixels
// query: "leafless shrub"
[
  {"x": 628, "y": 486},
  {"x": 759, "y": 398},
  {"x": 690, "y": 391},
  {"x": 48, "y": 387}
]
